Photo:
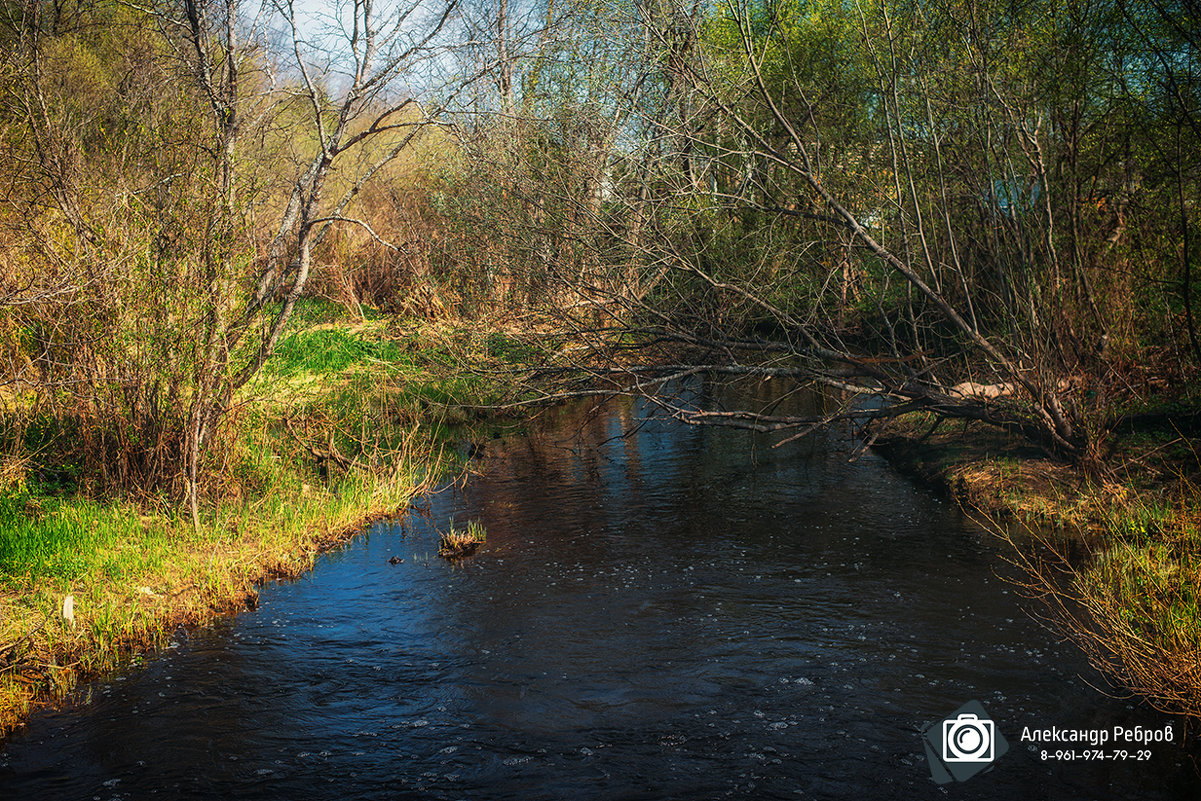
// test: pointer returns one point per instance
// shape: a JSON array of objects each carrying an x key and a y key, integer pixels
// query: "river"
[{"x": 660, "y": 612}]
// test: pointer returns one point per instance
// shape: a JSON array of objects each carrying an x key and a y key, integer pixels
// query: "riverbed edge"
[{"x": 1132, "y": 603}]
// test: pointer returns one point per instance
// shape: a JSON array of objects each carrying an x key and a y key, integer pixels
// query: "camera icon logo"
[
  {"x": 967, "y": 738},
  {"x": 962, "y": 744}
]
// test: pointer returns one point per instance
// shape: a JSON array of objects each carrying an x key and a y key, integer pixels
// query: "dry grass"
[
  {"x": 1133, "y": 608},
  {"x": 1003, "y": 477}
]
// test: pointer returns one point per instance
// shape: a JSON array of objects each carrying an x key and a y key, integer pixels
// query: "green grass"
[
  {"x": 1135, "y": 606},
  {"x": 1156, "y": 588},
  {"x": 309, "y": 312},
  {"x": 507, "y": 348},
  {"x": 65, "y": 538},
  {"x": 1143, "y": 522},
  {"x": 331, "y": 350}
]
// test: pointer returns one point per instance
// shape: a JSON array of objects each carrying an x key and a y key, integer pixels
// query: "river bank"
[
  {"x": 1124, "y": 578},
  {"x": 353, "y": 418},
  {"x": 350, "y": 420}
]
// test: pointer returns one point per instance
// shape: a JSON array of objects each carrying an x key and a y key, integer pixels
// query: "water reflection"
[{"x": 660, "y": 612}]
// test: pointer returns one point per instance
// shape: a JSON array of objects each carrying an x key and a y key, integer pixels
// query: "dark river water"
[{"x": 661, "y": 612}]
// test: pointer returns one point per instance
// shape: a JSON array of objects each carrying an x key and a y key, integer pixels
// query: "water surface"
[{"x": 660, "y": 612}]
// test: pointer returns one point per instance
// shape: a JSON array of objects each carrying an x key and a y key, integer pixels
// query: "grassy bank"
[
  {"x": 1117, "y": 551},
  {"x": 346, "y": 423}
]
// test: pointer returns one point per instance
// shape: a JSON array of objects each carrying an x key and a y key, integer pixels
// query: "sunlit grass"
[
  {"x": 1156, "y": 590},
  {"x": 327, "y": 350}
]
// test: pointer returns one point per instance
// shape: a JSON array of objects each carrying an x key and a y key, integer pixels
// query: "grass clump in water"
[{"x": 457, "y": 543}]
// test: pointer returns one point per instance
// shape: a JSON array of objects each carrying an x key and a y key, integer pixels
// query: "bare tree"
[
  {"x": 354, "y": 107},
  {"x": 178, "y": 299}
]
